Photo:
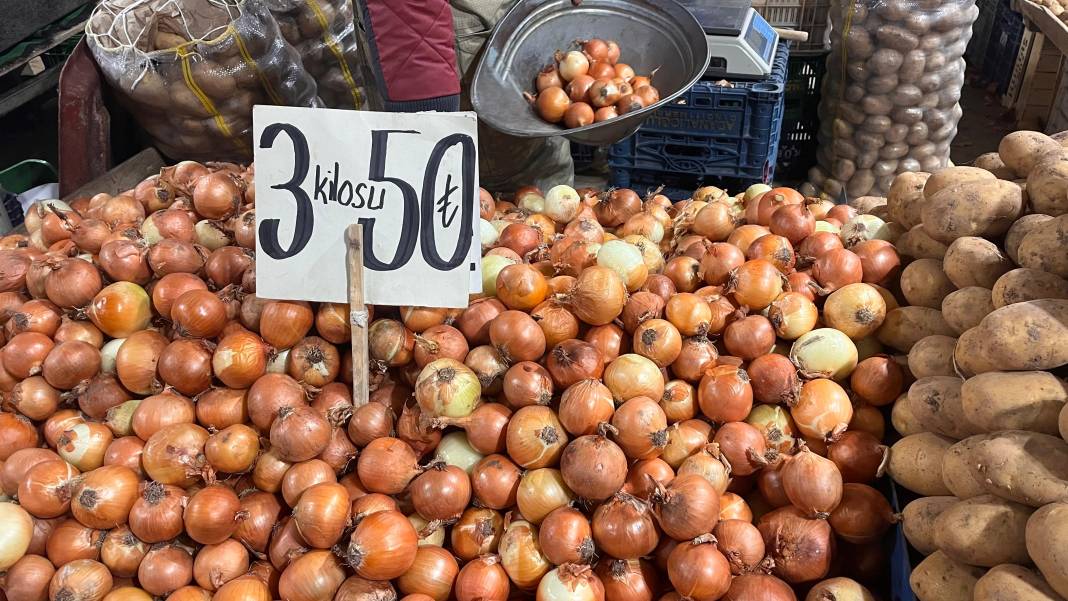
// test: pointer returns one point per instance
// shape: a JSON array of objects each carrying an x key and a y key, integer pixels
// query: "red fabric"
[{"x": 416, "y": 49}]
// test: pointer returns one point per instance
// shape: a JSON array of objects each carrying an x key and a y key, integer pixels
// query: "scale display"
[{"x": 741, "y": 43}]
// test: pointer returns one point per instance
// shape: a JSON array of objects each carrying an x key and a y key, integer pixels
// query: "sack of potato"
[
  {"x": 890, "y": 98},
  {"x": 190, "y": 71},
  {"x": 985, "y": 423},
  {"x": 324, "y": 34}
]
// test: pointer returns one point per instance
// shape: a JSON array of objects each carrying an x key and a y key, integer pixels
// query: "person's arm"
[{"x": 411, "y": 53}]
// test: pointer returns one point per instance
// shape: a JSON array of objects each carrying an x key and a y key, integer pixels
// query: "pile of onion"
[{"x": 647, "y": 401}]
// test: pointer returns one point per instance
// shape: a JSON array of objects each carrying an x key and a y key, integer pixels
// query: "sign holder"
[{"x": 357, "y": 314}]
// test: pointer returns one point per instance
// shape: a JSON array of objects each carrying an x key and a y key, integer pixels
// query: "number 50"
[{"x": 418, "y": 213}]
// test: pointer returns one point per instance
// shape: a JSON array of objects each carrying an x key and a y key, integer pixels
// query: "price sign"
[{"x": 411, "y": 180}]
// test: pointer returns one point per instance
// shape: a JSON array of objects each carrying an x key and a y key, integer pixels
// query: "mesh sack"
[
  {"x": 324, "y": 34},
  {"x": 190, "y": 71},
  {"x": 890, "y": 100}
]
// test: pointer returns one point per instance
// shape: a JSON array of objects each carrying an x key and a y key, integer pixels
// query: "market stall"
[{"x": 298, "y": 353}]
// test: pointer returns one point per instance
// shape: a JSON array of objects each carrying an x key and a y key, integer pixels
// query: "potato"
[
  {"x": 918, "y": 518},
  {"x": 1021, "y": 400},
  {"x": 918, "y": 244},
  {"x": 1047, "y": 184},
  {"x": 905, "y": 326},
  {"x": 1061, "y": 138},
  {"x": 1021, "y": 150},
  {"x": 1023, "y": 226},
  {"x": 1023, "y": 284},
  {"x": 935, "y": 400},
  {"x": 905, "y": 198},
  {"x": 916, "y": 462},
  {"x": 952, "y": 176},
  {"x": 966, "y": 360},
  {"x": 1026, "y": 467},
  {"x": 901, "y": 417},
  {"x": 865, "y": 204},
  {"x": 1047, "y": 543},
  {"x": 956, "y": 474},
  {"x": 1062, "y": 423},
  {"x": 972, "y": 208},
  {"x": 932, "y": 356},
  {"x": 983, "y": 531},
  {"x": 992, "y": 162},
  {"x": 924, "y": 284},
  {"x": 1024, "y": 336},
  {"x": 972, "y": 261},
  {"x": 1008, "y": 582},
  {"x": 1044, "y": 247},
  {"x": 939, "y": 578},
  {"x": 963, "y": 309}
]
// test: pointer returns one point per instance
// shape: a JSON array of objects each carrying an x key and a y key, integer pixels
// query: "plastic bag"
[
  {"x": 324, "y": 34},
  {"x": 190, "y": 71},
  {"x": 890, "y": 97}
]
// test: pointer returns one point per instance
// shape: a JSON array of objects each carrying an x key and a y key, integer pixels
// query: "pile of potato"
[
  {"x": 1057, "y": 7},
  {"x": 984, "y": 424},
  {"x": 324, "y": 33},
  {"x": 890, "y": 98},
  {"x": 186, "y": 78}
]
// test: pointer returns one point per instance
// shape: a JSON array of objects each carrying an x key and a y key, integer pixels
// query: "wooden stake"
[{"x": 357, "y": 315}]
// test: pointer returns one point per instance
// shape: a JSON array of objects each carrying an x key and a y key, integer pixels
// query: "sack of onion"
[{"x": 648, "y": 401}]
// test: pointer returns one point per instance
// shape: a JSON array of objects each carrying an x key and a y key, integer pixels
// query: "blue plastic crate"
[
  {"x": 582, "y": 155},
  {"x": 982, "y": 31},
  {"x": 900, "y": 560},
  {"x": 1005, "y": 37},
  {"x": 801, "y": 121},
  {"x": 713, "y": 131},
  {"x": 673, "y": 185}
]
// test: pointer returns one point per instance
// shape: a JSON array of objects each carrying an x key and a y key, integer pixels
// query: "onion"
[
  {"x": 312, "y": 576},
  {"x": 432, "y": 574},
  {"x": 171, "y": 455},
  {"x": 844, "y": 589},
  {"x": 824, "y": 353},
  {"x": 801, "y": 547},
  {"x": 837, "y": 268},
  {"x": 878, "y": 380},
  {"x": 626, "y": 260},
  {"x": 628, "y": 579},
  {"x": 520, "y": 555},
  {"x": 593, "y": 467},
  {"x": 774, "y": 380},
  {"x": 641, "y": 428},
  {"x": 521, "y": 286},
  {"x": 27, "y": 579},
  {"x": 793, "y": 315},
  {"x": 709, "y": 464},
  {"x": 698, "y": 570},
  {"x": 571, "y": 582},
  {"x": 572, "y": 361},
  {"x": 540, "y": 492},
  {"x": 609, "y": 340},
  {"x": 212, "y": 514},
  {"x": 535, "y": 437},
  {"x": 744, "y": 447},
  {"x": 17, "y": 528},
  {"x": 120, "y": 309},
  {"x": 775, "y": 424},
  {"x": 725, "y": 394},
  {"x": 598, "y": 296},
  {"x": 863, "y": 515},
  {"x": 24, "y": 354},
  {"x": 390, "y": 342},
  {"x": 687, "y": 507},
  {"x": 387, "y": 465},
  {"x": 741, "y": 543},
  {"x": 73, "y": 283},
  {"x": 517, "y": 337},
  {"x": 684, "y": 439},
  {"x": 441, "y": 492},
  {"x": 857, "y": 310},
  {"x": 448, "y": 388},
  {"x": 812, "y": 483},
  {"x": 240, "y": 359},
  {"x": 859, "y": 456},
  {"x": 759, "y": 587},
  {"x": 82, "y": 579},
  {"x": 482, "y": 579},
  {"x": 383, "y": 546},
  {"x": 823, "y": 410},
  {"x": 623, "y": 527}
]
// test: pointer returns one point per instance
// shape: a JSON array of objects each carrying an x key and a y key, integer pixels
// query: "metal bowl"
[{"x": 653, "y": 34}]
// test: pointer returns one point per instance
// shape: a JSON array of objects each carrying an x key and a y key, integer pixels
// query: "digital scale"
[{"x": 741, "y": 43}]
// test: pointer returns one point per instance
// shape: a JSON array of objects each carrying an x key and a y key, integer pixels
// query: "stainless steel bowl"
[{"x": 653, "y": 34}]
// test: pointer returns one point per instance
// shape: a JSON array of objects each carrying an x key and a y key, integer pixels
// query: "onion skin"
[{"x": 759, "y": 587}]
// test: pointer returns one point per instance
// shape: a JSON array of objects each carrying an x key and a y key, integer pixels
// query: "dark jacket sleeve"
[{"x": 411, "y": 51}]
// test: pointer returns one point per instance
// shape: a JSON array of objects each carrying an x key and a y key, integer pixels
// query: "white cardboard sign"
[{"x": 410, "y": 179}]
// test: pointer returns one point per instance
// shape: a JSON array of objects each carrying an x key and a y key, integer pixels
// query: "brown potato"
[
  {"x": 972, "y": 261},
  {"x": 1047, "y": 184},
  {"x": 1025, "y": 467},
  {"x": 939, "y": 578},
  {"x": 916, "y": 463},
  {"x": 1023, "y": 284},
  {"x": 1044, "y": 248},
  {"x": 905, "y": 198},
  {"x": 965, "y": 532},
  {"x": 918, "y": 518},
  {"x": 951, "y": 176},
  {"x": 1018, "y": 400},
  {"x": 1022, "y": 150},
  {"x": 992, "y": 162},
  {"x": 963, "y": 309},
  {"x": 918, "y": 244},
  {"x": 932, "y": 356},
  {"x": 935, "y": 400},
  {"x": 1023, "y": 226},
  {"x": 1047, "y": 544},
  {"x": 905, "y": 326},
  {"x": 924, "y": 284},
  {"x": 1009, "y": 582},
  {"x": 972, "y": 208}
]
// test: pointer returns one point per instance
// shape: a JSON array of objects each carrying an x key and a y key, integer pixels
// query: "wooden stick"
[
  {"x": 792, "y": 34},
  {"x": 357, "y": 315}
]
